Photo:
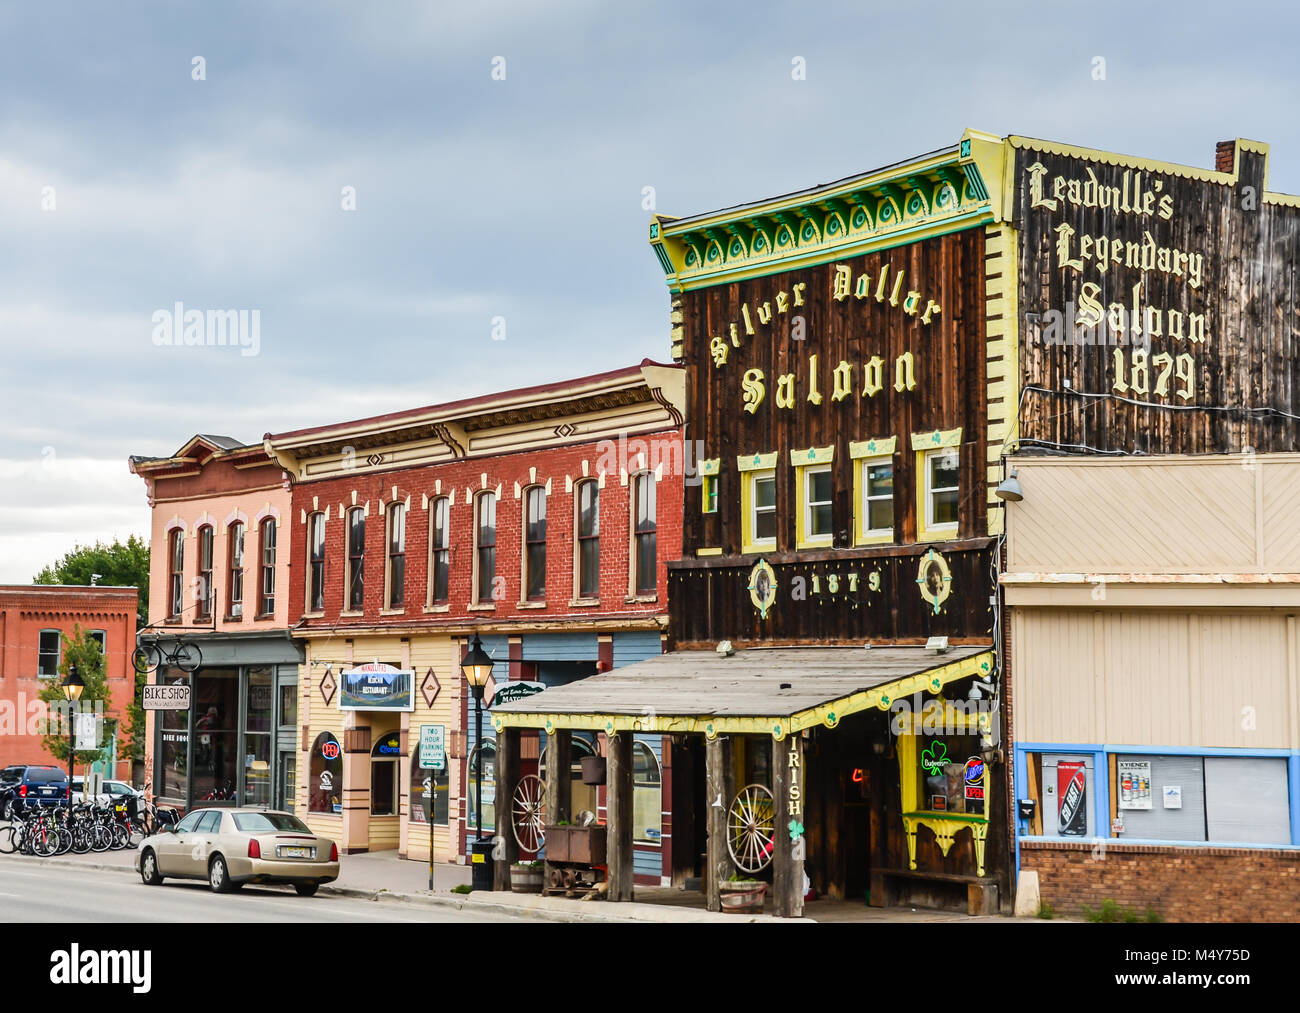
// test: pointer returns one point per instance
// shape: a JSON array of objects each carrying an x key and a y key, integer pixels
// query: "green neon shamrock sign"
[{"x": 935, "y": 758}]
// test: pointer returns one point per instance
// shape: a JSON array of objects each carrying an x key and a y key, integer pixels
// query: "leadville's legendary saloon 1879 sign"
[{"x": 1148, "y": 287}]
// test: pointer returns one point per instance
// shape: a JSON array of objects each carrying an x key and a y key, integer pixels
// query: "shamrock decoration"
[
  {"x": 796, "y": 829},
  {"x": 934, "y": 758}
]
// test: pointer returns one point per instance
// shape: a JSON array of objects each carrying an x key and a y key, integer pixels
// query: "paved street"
[{"x": 30, "y": 892}]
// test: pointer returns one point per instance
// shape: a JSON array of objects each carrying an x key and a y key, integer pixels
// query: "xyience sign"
[{"x": 376, "y": 686}]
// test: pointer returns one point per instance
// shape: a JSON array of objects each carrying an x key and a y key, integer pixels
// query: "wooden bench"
[{"x": 981, "y": 891}]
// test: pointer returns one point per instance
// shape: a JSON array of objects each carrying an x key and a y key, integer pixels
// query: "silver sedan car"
[{"x": 231, "y": 847}]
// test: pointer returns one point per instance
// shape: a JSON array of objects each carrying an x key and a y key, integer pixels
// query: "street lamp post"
[
  {"x": 477, "y": 667},
  {"x": 72, "y": 687}
]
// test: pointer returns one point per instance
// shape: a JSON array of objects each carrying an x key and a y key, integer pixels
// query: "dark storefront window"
[
  {"x": 289, "y": 705},
  {"x": 174, "y": 741},
  {"x": 384, "y": 759},
  {"x": 216, "y": 734},
  {"x": 489, "y": 752},
  {"x": 325, "y": 791},
  {"x": 437, "y": 781},
  {"x": 257, "y": 738}
]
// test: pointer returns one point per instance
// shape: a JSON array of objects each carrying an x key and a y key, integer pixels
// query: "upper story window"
[
  {"x": 874, "y": 510},
  {"x": 266, "y": 601},
  {"x": 175, "y": 572},
  {"x": 49, "y": 652},
  {"x": 101, "y": 638},
  {"x": 356, "y": 598},
  {"x": 485, "y": 546},
  {"x": 644, "y": 554},
  {"x": 316, "y": 563},
  {"x": 203, "y": 587},
  {"x": 535, "y": 544},
  {"x": 588, "y": 541},
  {"x": 396, "y": 575},
  {"x": 439, "y": 550},
  {"x": 812, "y": 469},
  {"x": 938, "y": 495},
  {"x": 757, "y": 502},
  {"x": 235, "y": 566},
  {"x": 709, "y": 494}
]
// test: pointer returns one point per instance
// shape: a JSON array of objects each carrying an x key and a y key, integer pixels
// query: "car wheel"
[
  {"x": 219, "y": 875},
  {"x": 306, "y": 889},
  {"x": 4, "y": 811},
  {"x": 149, "y": 868}
]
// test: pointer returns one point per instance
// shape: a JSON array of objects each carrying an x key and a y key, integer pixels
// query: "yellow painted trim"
[
  {"x": 813, "y": 455},
  {"x": 710, "y": 467},
  {"x": 926, "y": 532},
  {"x": 828, "y": 714},
  {"x": 704, "y": 494},
  {"x": 748, "y": 543},
  {"x": 802, "y": 539},
  {"x": 883, "y": 447},
  {"x": 861, "y": 535},
  {"x": 936, "y": 439},
  {"x": 708, "y": 552},
  {"x": 756, "y": 462}
]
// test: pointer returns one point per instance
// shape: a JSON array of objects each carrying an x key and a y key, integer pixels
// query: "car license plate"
[{"x": 290, "y": 852}]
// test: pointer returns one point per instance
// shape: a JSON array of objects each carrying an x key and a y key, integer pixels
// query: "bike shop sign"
[{"x": 174, "y": 697}]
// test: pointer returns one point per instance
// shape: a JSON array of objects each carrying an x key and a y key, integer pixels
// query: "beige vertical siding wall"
[
  {"x": 1156, "y": 677},
  {"x": 1215, "y": 514}
]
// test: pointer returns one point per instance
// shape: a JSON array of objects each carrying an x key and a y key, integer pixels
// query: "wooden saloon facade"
[{"x": 849, "y": 355}]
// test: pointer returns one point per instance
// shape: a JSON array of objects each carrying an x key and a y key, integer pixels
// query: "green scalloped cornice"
[{"x": 948, "y": 190}]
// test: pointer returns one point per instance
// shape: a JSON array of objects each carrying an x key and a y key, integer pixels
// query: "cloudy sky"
[{"x": 133, "y": 177}]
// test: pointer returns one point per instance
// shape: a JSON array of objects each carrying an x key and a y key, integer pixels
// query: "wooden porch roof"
[{"x": 773, "y": 690}]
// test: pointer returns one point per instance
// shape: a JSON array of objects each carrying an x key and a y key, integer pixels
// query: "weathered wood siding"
[
  {"x": 949, "y": 368},
  {"x": 1211, "y": 266}
]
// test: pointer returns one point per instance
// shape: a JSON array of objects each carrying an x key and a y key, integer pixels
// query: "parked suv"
[{"x": 32, "y": 783}]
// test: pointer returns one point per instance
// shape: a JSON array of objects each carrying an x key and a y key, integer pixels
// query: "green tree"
[
  {"x": 121, "y": 564},
  {"x": 82, "y": 650}
]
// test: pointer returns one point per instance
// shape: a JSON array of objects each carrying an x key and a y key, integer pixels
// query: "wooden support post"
[
  {"x": 720, "y": 788},
  {"x": 787, "y": 860},
  {"x": 559, "y": 783},
  {"x": 619, "y": 810},
  {"x": 507, "y": 777}
]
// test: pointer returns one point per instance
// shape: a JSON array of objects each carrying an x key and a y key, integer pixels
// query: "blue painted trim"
[
  {"x": 1021, "y": 767},
  {"x": 1161, "y": 843},
  {"x": 1084, "y": 747},
  {"x": 1293, "y": 770}
]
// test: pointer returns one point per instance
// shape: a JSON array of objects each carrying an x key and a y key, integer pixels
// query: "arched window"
[
  {"x": 587, "y": 549},
  {"x": 325, "y": 790},
  {"x": 385, "y": 759},
  {"x": 485, "y": 546},
  {"x": 175, "y": 571},
  {"x": 356, "y": 597},
  {"x": 235, "y": 571},
  {"x": 203, "y": 583},
  {"x": 395, "y": 575},
  {"x": 535, "y": 544},
  {"x": 644, "y": 555},
  {"x": 316, "y": 563},
  {"x": 489, "y": 752},
  {"x": 647, "y": 795},
  {"x": 439, "y": 550},
  {"x": 266, "y": 600}
]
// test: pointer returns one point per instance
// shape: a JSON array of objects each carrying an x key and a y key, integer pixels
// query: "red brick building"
[
  {"x": 539, "y": 519},
  {"x": 33, "y": 621}
]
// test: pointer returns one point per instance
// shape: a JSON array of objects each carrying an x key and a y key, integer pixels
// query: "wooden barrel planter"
[
  {"x": 742, "y": 898},
  {"x": 527, "y": 878}
]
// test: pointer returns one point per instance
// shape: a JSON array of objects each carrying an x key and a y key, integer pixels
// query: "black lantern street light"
[
  {"x": 477, "y": 667},
  {"x": 72, "y": 687}
]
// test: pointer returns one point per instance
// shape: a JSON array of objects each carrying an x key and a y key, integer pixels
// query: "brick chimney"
[{"x": 1224, "y": 152}]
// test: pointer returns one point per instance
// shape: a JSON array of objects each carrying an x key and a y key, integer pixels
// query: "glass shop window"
[
  {"x": 325, "y": 790},
  {"x": 217, "y": 764},
  {"x": 952, "y": 776},
  {"x": 424, "y": 780}
]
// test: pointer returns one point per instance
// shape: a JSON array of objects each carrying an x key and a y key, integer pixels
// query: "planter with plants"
[
  {"x": 527, "y": 877},
  {"x": 742, "y": 895}
]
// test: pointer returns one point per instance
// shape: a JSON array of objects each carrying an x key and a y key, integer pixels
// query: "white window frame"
[
  {"x": 808, "y": 540},
  {"x": 930, "y": 527},
  {"x": 752, "y": 478},
  {"x": 868, "y": 534},
  {"x": 58, "y": 654}
]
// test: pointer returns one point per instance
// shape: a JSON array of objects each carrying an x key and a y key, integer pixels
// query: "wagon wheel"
[
  {"x": 528, "y": 813},
  {"x": 751, "y": 828}
]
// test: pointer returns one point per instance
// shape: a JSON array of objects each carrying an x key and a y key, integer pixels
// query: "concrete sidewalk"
[{"x": 383, "y": 877}]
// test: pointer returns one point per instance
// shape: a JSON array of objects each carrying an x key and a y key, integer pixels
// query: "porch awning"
[{"x": 760, "y": 690}]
